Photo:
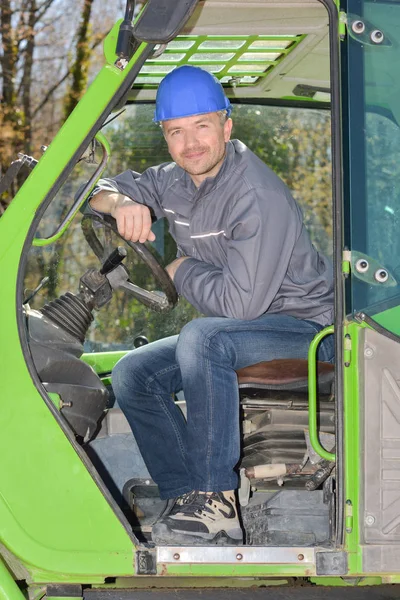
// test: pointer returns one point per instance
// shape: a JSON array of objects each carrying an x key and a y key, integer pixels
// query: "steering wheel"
[{"x": 160, "y": 301}]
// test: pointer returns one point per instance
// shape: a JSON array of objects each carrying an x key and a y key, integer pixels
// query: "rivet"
[
  {"x": 239, "y": 556},
  {"x": 177, "y": 556},
  {"x": 377, "y": 36},
  {"x": 368, "y": 352},
  {"x": 300, "y": 556},
  {"x": 369, "y": 520},
  {"x": 358, "y": 27}
]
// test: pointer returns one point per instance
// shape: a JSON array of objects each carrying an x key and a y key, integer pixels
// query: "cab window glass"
[
  {"x": 373, "y": 152},
  {"x": 295, "y": 143}
]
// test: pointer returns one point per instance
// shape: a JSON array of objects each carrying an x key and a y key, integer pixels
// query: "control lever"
[
  {"x": 36, "y": 290},
  {"x": 116, "y": 257}
]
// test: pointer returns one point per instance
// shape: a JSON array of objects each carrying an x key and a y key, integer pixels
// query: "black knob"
[
  {"x": 140, "y": 340},
  {"x": 115, "y": 258}
]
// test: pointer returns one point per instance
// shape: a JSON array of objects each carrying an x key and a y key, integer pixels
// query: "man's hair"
[{"x": 222, "y": 114}]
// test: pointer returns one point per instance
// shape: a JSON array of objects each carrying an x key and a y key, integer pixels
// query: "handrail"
[
  {"x": 312, "y": 394},
  {"x": 80, "y": 197}
]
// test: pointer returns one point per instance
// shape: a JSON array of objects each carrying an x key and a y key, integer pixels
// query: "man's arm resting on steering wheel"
[{"x": 133, "y": 219}]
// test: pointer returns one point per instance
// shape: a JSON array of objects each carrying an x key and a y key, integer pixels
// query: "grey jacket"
[{"x": 249, "y": 250}]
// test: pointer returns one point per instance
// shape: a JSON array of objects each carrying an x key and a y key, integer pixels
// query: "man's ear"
[{"x": 228, "y": 129}]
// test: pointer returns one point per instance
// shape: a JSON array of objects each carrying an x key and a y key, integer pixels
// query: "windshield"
[{"x": 295, "y": 143}]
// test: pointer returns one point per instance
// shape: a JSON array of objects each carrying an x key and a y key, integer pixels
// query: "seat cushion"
[{"x": 286, "y": 372}]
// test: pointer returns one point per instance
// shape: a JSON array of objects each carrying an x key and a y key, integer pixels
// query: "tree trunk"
[
  {"x": 27, "y": 76},
  {"x": 79, "y": 69},
  {"x": 9, "y": 58}
]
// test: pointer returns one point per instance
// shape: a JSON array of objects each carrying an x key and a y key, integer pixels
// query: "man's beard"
[{"x": 206, "y": 163}]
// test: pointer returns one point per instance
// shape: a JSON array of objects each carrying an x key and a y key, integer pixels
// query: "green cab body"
[{"x": 64, "y": 524}]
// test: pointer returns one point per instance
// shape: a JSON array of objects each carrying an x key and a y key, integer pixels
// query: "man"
[{"x": 246, "y": 262}]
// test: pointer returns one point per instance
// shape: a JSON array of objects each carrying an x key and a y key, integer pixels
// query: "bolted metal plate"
[
  {"x": 235, "y": 555},
  {"x": 332, "y": 563},
  {"x": 146, "y": 563}
]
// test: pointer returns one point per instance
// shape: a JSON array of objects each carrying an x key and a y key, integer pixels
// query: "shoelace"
[{"x": 195, "y": 502}]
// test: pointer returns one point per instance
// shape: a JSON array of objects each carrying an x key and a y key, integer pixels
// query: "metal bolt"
[
  {"x": 377, "y": 36},
  {"x": 381, "y": 275},
  {"x": 358, "y": 27},
  {"x": 368, "y": 352},
  {"x": 65, "y": 404},
  {"x": 177, "y": 556},
  {"x": 300, "y": 556},
  {"x": 369, "y": 520},
  {"x": 239, "y": 556},
  {"x": 362, "y": 265}
]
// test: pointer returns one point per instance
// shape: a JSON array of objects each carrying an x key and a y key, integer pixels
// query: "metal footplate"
[
  {"x": 235, "y": 555},
  {"x": 317, "y": 561}
]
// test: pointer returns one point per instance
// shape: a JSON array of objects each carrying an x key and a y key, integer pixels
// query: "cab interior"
[{"x": 274, "y": 61}]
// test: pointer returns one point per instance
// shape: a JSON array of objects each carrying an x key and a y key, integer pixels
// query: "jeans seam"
[
  {"x": 164, "y": 406},
  {"x": 210, "y": 404},
  {"x": 207, "y": 340}
]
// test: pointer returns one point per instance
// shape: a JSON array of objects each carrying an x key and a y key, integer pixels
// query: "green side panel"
[
  {"x": 230, "y": 570},
  {"x": 53, "y": 516},
  {"x": 352, "y": 460},
  {"x": 346, "y": 582},
  {"x": 103, "y": 362},
  {"x": 390, "y": 319},
  {"x": 8, "y": 588}
]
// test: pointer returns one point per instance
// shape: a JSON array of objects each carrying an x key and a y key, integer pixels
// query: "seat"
[{"x": 287, "y": 374}]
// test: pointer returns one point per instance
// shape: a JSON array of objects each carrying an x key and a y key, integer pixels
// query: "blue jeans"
[{"x": 202, "y": 453}]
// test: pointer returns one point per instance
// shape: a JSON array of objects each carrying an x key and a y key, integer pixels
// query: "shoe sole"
[{"x": 164, "y": 537}]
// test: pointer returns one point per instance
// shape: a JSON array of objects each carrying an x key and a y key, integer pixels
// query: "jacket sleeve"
[
  {"x": 263, "y": 229},
  {"x": 142, "y": 188}
]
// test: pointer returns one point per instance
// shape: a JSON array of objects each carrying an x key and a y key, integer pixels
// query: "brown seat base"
[{"x": 282, "y": 372}]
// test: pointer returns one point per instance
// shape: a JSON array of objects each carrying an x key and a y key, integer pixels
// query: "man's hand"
[
  {"x": 133, "y": 219},
  {"x": 173, "y": 267}
]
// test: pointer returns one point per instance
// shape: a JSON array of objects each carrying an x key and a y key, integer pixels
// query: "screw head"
[
  {"x": 377, "y": 36},
  {"x": 369, "y": 520},
  {"x": 300, "y": 556},
  {"x": 381, "y": 275},
  {"x": 362, "y": 265},
  {"x": 358, "y": 26},
  {"x": 239, "y": 556},
  {"x": 368, "y": 352},
  {"x": 177, "y": 556}
]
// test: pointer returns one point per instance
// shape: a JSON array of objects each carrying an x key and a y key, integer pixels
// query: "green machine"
[{"x": 320, "y": 476}]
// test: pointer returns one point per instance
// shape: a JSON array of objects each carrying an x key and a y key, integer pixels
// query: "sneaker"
[{"x": 200, "y": 518}]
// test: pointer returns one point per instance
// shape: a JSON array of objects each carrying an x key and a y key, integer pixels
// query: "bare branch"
[
  {"x": 49, "y": 94},
  {"x": 98, "y": 39},
  {"x": 42, "y": 9}
]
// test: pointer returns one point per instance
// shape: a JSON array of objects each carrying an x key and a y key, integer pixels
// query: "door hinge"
[
  {"x": 342, "y": 25},
  {"x": 349, "y": 516},
  {"x": 347, "y": 350},
  {"x": 346, "y": 263}
]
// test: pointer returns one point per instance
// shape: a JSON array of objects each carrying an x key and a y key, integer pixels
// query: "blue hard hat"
[{"x": 188, "y": 91}]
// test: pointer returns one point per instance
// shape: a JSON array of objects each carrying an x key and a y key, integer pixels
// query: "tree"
[{"x": 41, "y": 56}]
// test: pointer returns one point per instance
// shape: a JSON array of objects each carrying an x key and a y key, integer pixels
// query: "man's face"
[{"x": 197, "y": 144}]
